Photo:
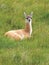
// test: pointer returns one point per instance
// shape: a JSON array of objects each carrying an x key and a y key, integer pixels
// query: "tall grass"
[{"x": 33, "y": 51}]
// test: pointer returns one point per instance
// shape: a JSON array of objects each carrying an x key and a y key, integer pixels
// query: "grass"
[{"x": 33, "y": 51}]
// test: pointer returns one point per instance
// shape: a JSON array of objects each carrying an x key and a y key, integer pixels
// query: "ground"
[{"x": 33, "y": 51}]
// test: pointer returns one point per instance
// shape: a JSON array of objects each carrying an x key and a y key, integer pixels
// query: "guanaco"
[{"x": 22, "y": 33}]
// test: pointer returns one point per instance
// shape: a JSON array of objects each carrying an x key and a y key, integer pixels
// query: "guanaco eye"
[{"x": 26, "y": 18}]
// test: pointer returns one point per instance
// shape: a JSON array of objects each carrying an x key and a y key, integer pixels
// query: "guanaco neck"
[{"x": 28, "y": 28}]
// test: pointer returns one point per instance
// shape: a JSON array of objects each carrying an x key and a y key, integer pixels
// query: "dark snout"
[{"x": 29, "y": 20}]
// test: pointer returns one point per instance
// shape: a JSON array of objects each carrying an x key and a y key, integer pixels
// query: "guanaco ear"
[
  {"x": 31, "y": 14},
  {"x": 25, "y": 15}
]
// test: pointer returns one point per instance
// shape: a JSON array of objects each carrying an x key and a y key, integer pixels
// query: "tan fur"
[{"x": 16, "y": 33}]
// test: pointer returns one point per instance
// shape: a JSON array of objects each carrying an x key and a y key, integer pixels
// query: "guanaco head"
[{"x": 28, "y": 18}]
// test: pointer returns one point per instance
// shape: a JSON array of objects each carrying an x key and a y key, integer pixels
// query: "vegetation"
[{"x": 33, "y": 51}]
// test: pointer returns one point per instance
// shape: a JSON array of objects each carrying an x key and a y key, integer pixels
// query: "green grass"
[{"x": 33, "y": 51}]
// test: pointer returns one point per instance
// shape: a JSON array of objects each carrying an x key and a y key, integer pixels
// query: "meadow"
[{"x": 33, "y": 51}]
